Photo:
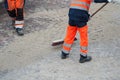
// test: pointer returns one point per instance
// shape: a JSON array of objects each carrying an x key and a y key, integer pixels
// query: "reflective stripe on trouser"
[
  {"x": 66, "y": 47},
  {"x": 68, "y": 41},
  {"x": 19, "y": 24},
  {"x": 83, "y": 31}
]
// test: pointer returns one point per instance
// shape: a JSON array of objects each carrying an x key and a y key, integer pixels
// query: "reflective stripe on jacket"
[{"x": 81, "y": 4}]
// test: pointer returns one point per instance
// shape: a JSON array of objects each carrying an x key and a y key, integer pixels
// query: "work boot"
[
  {"x": 64, "y": 55},
  {"x": 85, "y": 59},
  {"x": 20, "y": 31}
]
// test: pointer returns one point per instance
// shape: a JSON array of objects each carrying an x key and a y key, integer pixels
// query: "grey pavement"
[{"x": 33, "y": 58}]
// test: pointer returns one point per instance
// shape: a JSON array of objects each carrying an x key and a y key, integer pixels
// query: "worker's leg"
[
  {"x": 10, "y": 6},
  {"x": 19, "y": 22},
  {"x": 83, "y": 39},
  {"x": 84, "y": 44},
  {"x": 68, "y": 41}
]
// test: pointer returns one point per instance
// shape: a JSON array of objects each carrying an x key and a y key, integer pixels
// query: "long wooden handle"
[{"x": 99, "y": 9}]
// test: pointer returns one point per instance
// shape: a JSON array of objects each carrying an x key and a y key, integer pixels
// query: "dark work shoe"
[
  {"x": 85, "y": 59},
  {"x": 64, "y": 55},
  {"x": 20, "y": 31}
]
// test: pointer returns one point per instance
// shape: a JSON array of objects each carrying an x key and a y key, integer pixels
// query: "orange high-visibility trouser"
[
  {"x": 70, "y": 35},
  {"x": 14, "y": 4}
]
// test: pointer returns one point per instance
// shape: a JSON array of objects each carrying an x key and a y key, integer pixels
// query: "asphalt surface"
[{"x": 32, "y": 57}]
